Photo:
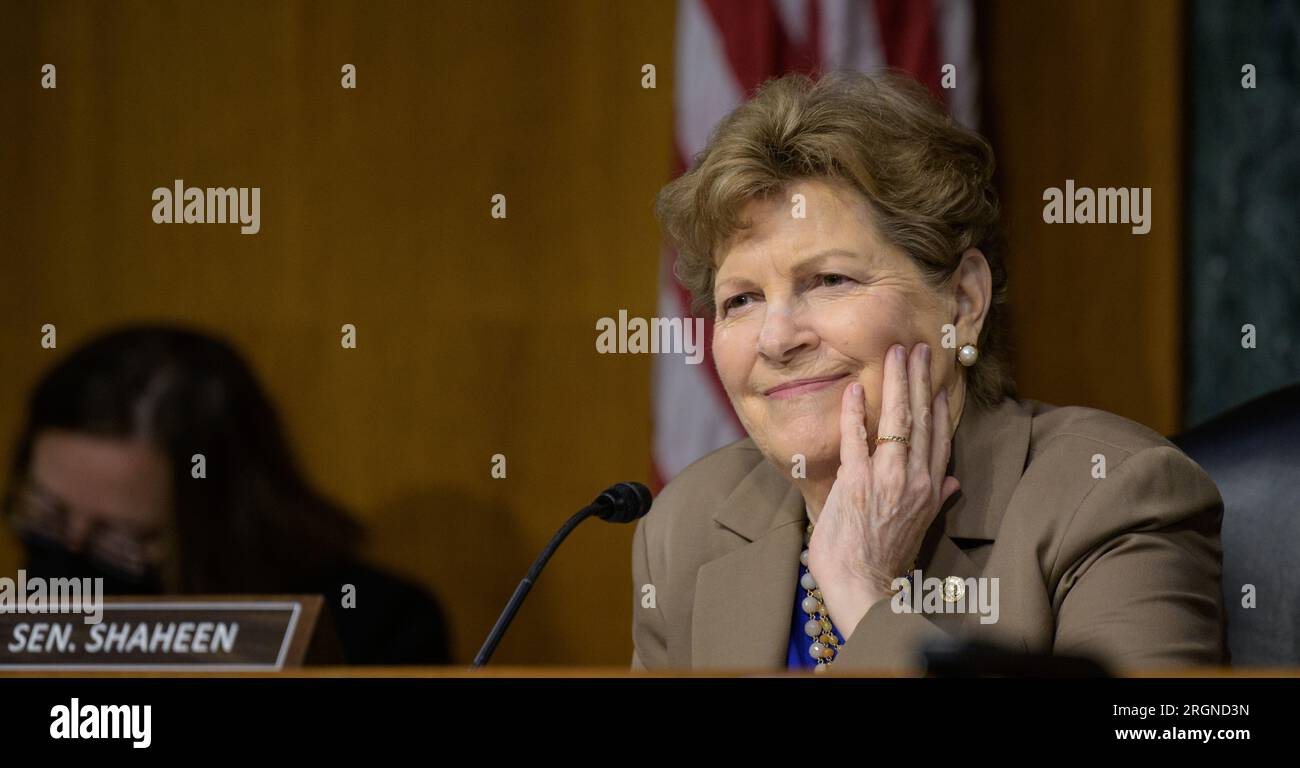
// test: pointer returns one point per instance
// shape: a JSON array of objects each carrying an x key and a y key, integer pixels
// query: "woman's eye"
[
  {"x": 831, "y": 280},
  {"x": 736, "y": 302}
]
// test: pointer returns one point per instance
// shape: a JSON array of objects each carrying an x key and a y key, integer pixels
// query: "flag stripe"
[{"x": 909, "y": 35}]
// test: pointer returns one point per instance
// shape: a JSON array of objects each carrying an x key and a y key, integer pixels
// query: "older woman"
[{"x": 892, "y": 490}]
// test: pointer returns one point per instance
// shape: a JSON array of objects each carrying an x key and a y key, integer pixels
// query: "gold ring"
[{"x": 893, "y": 439}]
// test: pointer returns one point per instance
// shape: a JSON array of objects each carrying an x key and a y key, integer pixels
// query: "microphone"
[{"x": 621, "y": 503}]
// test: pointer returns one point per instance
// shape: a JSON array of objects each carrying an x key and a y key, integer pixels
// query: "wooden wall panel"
[
  {"x": 476, "y": 336},
  {"x": 1091, "y": 91}
]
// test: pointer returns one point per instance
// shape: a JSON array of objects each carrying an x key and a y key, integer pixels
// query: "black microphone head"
[{"x": 623, "y": 503}]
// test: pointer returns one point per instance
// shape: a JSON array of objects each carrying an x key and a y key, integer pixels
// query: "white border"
[{"x": 294, "y": 608}]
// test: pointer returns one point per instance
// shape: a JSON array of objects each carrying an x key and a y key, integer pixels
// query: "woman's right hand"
[{"x": 872, "y": 524}]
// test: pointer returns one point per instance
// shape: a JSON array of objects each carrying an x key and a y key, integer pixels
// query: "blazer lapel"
[
  {"x": 989, "y": 451},
  {"x": 744, "y": 599}
]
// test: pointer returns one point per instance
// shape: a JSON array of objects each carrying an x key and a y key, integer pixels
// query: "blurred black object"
[
  {"x": 1253, "y": 454},
  {"x": 978, "y": 659},
  {"x": 395, "y": 622}
]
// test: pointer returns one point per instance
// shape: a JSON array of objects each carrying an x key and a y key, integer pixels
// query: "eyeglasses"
[{"x": 35, "y": 512}]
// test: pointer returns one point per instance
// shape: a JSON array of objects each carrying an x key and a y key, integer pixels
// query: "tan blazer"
[{"x": 1124, "y": 568}]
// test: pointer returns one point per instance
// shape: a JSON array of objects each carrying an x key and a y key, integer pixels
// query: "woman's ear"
[{"x": 973, "y": 291}]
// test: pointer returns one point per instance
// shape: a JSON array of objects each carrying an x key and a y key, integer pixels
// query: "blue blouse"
[{"x": 797, "y": 657}]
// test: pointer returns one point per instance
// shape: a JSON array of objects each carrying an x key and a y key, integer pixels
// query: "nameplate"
[{"x": 181, "y": 633}]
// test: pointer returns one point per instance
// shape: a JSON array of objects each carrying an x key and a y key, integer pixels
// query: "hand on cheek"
[{"x": 882, "y": 502}]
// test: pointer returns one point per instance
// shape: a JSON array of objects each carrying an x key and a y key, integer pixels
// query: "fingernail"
[
  {"x": 898, "y": 352},
  {"x": 925, "y": 353},
  {"x": 856, "y": 389},
  {"x": 943, "y": 393}
]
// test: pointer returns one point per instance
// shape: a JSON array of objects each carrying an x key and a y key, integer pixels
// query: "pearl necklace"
[{"x": 824, "y": 641}]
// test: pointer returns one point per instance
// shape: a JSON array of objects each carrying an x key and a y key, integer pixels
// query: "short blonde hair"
[{"x": 928, "y": 182}]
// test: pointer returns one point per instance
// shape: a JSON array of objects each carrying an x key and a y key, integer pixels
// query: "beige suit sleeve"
[
  {"x": 1140, "y": 567},
  {"x": 888, "y": 642},
  {"x": 649, "y": 636}
]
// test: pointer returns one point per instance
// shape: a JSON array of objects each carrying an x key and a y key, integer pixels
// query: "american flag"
[{"x": 724, "y": 50}]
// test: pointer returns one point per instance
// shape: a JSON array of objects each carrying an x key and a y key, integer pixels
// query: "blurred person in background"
[{"x": 102, "y": 486}]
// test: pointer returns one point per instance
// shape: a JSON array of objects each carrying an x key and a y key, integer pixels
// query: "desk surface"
[{"x": 585, "y": 672}]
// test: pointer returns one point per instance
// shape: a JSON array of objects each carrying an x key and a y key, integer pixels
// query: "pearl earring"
[{"x": 967, "y": 355}]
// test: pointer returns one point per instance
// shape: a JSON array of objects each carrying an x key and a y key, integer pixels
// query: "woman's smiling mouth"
[{"x": 802, "y": 386}]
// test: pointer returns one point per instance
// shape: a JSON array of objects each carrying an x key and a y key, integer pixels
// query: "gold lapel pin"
[{"x": 954, "y": 589}]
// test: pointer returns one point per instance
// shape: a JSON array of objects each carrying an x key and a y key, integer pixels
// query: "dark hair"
[{"x": 253, "y": 524}]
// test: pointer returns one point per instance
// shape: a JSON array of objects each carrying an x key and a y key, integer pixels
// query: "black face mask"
[{"x": 51, "y": 560}]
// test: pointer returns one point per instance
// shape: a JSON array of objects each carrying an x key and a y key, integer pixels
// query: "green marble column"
[{"x": 1243, "y": 202}]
